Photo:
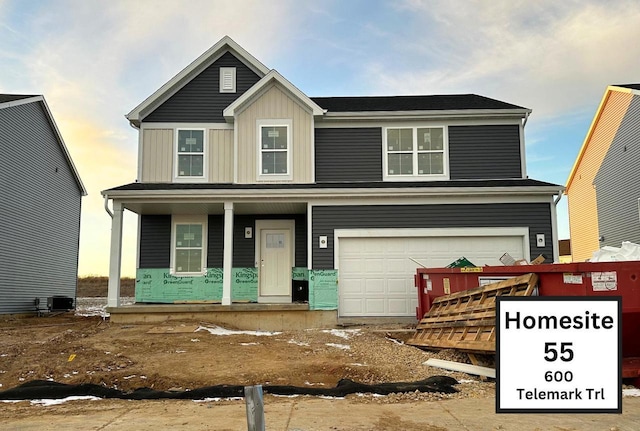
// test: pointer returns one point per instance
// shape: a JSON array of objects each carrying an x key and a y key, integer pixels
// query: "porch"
[{"x": 263, "y": 317}]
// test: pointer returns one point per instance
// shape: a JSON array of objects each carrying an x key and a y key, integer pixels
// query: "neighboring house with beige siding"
[
  {"x": 251, "y": 191},
  {"x": 603, "y": 188}
]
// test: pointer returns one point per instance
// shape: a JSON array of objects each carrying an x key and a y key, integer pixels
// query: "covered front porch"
[{"x": 255, "y": 260}]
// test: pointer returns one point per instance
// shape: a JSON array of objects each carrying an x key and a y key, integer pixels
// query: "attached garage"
[{"x": 376, "y": 272}]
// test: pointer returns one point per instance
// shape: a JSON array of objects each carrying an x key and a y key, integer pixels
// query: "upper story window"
[
  {"x": 227, "y": 80},
  {"x": 412, "y": 153},
  {"x": 190, "y": 154},
  {"x": 274, "y": 150}
]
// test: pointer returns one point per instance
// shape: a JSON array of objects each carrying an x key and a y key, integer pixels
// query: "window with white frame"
[
  {"x": 190, "y": 147},
  {"x": 274, "y": 150},
  {"x": 189, "y": 245},
  {"x": 415, "y": 152}
]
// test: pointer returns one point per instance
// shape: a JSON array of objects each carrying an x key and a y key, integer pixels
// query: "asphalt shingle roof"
[
  {"x": 411, "y": 103},
  {"x": 516, "y": 182}
]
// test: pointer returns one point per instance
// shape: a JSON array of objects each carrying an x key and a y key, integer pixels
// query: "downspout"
[
  {"x": 554, "y": 228},
  {"x": 106, "y": 206}
]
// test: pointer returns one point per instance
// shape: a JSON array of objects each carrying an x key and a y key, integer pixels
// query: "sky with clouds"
[{"x": 95, "y": 60}]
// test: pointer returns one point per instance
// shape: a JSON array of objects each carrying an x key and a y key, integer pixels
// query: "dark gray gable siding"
[
  {"x": 348, "y": 155},
  {"x": 536, "y": 216},
  {"x": 39, "y": 211},
  {"x": 200, "y": 100},
  {"x": 618, "y": 182},
  {"x": 155, "y": 240},
  {"x": 484, "y": 152}
]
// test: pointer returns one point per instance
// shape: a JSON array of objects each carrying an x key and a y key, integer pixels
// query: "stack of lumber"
[{"x": 467, "y": 320}]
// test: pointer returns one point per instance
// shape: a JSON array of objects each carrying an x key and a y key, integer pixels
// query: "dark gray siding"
[
  {"x": 200, "y": 100},
  {"x": 244, "y": 250},
  {"x": 39, "y": 211},
  {"x": 618, "y": 183},
  {"x": 484, "y": 152},
  {"x": 536, "y": 216},
  {"x": 155, "y": 240},
  {"x": 348, "y": 155}
]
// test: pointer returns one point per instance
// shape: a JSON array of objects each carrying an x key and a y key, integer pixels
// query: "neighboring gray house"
[
  {"x": 248, "y": 190},
  {"x": 40, "y": 195}
]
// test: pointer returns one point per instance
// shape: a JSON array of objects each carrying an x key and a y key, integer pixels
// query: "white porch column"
[
  {"x": 228, "y": 253},
  {"x": 115, "y": 259}
]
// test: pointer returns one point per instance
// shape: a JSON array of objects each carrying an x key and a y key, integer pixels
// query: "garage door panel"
[{"x": 376, "y": 274}]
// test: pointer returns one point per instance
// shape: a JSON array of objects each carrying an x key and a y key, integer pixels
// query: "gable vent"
[{"x": 227, "y": 79}]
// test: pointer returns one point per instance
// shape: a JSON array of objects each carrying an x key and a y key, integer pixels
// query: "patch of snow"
[
  {"x": 326, "y": 397},
  {"x": 129, "y": 377},
  {"x": 357, "y": 364},
  {"x": 4, "y": 355},
  {"x": 631, "y": 392},
  {"x": 342, "y": 333},
  {"x": 467, "y": 381},
  {"x": 313, "y": 384},
  {"x": 45, "y": 402},
  {"x": 89, "y": 306},
  {"x": 394, "y": 340},
  {"x": 107, "y": 353},
  {"x": 181, "y": 351},
  {"x": 298, "y": 343},
  {"x": 339, "y": 346},
  {"x": 285, "y": 396},
  {"x": 195, "y": 340},
  {"x": 249, "y": 344},
  {"x": 208, "y": 400},
  {"x": 217, "y": 330},
  {"x": 360, "y": 394}
]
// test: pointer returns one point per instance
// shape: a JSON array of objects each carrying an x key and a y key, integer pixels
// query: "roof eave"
[{"x": 434, "y": 113}]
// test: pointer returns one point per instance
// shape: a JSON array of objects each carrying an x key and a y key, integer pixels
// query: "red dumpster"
[{"x": 568, "y": 279}]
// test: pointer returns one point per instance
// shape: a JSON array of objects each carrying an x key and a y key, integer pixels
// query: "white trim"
[
  {"x": 232, "y": 72},
  {"x": 523, "y": 152},
  {"x": 415, "y": 152},
  {"x": 191, "y": 71},
  {"x": 259, "y": 150},
  {"x": 429, "y": 232},
  {"x": 205, "y": 162},
  {"x": 189, "y": 219},
  {"x": 138, "y": 236},
  {"x": 376, "y": 195},
  {"x": 312, "y": 139},
  {"x": 275, "y": 224},
  {"x": 230, "y": 111},
  {"x": 208, "y": 126},
  {"x": 115, "y": 255},
  {"x": 235, "y": 153},
  {"x": 227, "y": 260}
]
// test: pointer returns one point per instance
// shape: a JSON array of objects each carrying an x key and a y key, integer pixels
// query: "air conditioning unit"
[{"x": 59, "y": 303}]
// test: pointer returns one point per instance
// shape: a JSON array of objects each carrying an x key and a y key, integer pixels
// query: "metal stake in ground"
[{"x": 255, "y": 407}]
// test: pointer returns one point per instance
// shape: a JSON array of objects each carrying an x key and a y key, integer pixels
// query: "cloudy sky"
[{"x": 96, "y": 60}]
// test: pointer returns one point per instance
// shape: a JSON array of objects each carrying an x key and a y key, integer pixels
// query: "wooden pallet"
[{"x": 467, "y": 320}]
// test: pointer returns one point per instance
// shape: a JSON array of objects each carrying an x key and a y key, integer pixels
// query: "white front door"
[{"x": 275, "y": 259}]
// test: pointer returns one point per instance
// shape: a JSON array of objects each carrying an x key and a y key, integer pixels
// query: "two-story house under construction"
[{"x": 249, "y": 190}]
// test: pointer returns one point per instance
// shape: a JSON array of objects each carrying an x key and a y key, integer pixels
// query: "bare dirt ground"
[{"x": 180, "y": 356}]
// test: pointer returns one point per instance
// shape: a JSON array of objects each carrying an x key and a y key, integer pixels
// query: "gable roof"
[
  {"x": 411, "y": 103},
  {"x": 272, "y": 76},
  {"x": 226, "y": 44},
  {"x": 626, "y": 88},
  {"x": 11, "y": 100}
]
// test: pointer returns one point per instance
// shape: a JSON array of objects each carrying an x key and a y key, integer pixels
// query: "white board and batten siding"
[{"x": 376, "y": 272}]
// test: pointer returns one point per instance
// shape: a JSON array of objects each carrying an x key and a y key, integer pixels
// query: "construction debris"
[{"x": 466, "y": 320}]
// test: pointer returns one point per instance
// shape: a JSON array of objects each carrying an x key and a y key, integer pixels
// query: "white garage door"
[{"x": 376, "y": 274}]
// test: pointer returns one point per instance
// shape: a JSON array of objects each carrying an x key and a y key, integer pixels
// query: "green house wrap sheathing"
[
  {"x": 158, "y": 285},
  {"x": 323, "y": 289}
]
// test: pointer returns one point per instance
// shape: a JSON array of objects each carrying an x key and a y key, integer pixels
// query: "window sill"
[{"x": 392, "y": 178}]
